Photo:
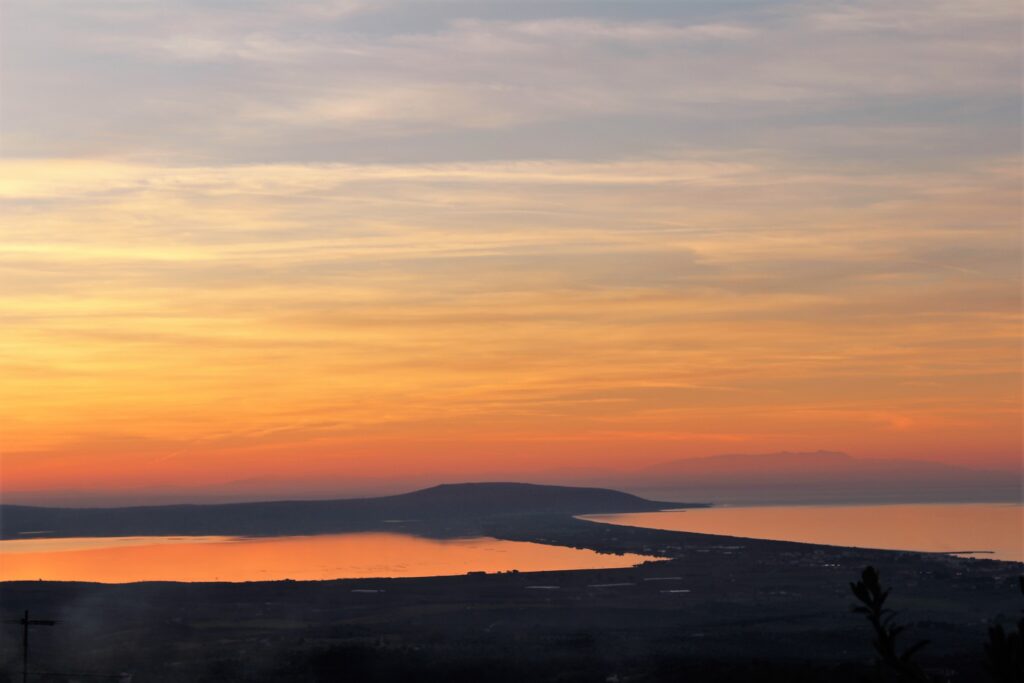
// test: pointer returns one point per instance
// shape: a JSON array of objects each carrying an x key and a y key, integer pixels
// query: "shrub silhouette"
[
  {"x": 1005, "y": 651},
  {"x": 872, "y": 597}
]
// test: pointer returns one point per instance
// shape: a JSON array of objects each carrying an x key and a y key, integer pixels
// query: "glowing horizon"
[{"x": 357, "y": 240}]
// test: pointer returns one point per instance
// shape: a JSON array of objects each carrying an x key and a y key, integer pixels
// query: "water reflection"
[
  {"x": 219, "y": 558},
  {"x": 997, "y": 529}
]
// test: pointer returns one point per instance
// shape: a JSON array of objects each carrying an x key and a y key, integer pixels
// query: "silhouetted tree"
[
  {"x": 872, "y": 597},
  {"x": 1005, "y": 651}
]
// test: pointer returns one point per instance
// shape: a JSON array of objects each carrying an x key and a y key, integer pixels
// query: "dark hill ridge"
[{"x": 455, "y": 503}]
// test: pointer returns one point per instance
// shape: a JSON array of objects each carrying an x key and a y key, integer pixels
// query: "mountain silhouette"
[
  {"x": 458, "y": 502},
  {"x": 825, "y": 475}
]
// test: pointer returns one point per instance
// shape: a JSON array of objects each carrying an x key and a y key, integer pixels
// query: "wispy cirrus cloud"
[
  {"x": 416, "y": 232},
  {"x": 272, "y": 80}
]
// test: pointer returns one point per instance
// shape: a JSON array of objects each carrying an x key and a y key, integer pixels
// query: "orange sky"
[{"x": 402, "y": 279}]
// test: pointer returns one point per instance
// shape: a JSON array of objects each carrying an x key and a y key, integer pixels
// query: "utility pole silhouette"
[{"x": 25, "y": 623}]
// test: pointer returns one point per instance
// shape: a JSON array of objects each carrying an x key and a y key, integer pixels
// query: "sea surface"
[
  {"x": 330, "y": 556},
  {"x": 983, "y": 530}
]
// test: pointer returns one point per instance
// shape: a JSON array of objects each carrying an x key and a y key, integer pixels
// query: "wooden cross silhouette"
[{"x": 25, "y": 623}]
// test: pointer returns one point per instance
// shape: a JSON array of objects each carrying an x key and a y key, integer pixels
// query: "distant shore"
[{"x": 718, "y": 603}]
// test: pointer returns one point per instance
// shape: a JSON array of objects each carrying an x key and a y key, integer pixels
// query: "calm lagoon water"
[
  {"x": 995, "y": 529},
  {"x": 333, "y": 556}
]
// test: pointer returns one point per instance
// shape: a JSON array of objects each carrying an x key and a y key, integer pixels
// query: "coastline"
[{"x": 727, "y": 600}]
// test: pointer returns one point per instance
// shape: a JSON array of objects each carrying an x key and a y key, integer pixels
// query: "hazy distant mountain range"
[
  {"x": 429, "y": 508},
  {"x": 818, "y": 476},
  {"x": 783, "y": 477}
]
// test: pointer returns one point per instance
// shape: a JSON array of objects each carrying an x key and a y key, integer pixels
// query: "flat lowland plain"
[{"x": 719, "y": 609}]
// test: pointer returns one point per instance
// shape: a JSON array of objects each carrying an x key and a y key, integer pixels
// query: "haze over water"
[
  {"x": 331, "y": 556},
  {"x": 996, "y": 529}
]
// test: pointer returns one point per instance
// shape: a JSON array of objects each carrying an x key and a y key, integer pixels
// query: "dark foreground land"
[{"x": 721, "y": 610}]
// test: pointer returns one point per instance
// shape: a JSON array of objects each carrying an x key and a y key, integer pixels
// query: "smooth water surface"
[
  {"x": 333, "y": 556},
  {"x": 995, "y": 529}
]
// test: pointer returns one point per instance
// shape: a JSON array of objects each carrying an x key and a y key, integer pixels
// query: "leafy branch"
[
  {"x": 1005, "y": 651},
  {"x": 872, "y": 599}
]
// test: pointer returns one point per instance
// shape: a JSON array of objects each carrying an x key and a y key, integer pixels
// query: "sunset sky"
[{"x": 323, "y": 240}]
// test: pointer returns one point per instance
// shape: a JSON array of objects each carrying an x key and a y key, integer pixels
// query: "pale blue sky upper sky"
[{"x": 853, "y": 83}]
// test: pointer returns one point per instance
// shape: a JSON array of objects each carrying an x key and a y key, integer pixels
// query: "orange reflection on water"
[
  {"x": 997, "y": 528},
  {"x": 355, "y": 555}
]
